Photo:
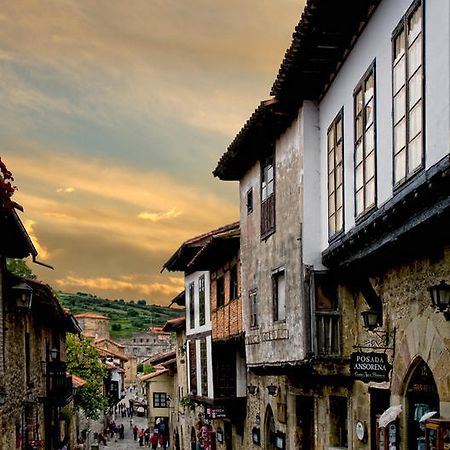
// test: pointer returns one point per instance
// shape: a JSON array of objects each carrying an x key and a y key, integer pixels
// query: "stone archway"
[
  {"x": 420, "y": 397},
  {"x": 421, "y": 340},
  {"x": 269, "y": 429}
]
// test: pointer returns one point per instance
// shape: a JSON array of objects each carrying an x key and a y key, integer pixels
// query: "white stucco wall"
[
  {"x": 281, "y": 340},
  {"x": 375, "y": 44},
  {"x": 313, "y": 209}
]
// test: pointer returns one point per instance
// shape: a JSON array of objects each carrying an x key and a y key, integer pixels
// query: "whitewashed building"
[{"x": 344, "y": 186}]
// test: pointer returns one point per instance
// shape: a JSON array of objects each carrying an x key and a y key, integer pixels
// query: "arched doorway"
[
  {"x": 269, "y": 430},
  {"x": 421, "y": 397}
]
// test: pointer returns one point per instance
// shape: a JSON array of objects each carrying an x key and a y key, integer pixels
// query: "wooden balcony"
[{"x": 59, "y": 383}]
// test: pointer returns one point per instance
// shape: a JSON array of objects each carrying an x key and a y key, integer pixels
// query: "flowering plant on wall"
[{"x": 6, "y": 187}]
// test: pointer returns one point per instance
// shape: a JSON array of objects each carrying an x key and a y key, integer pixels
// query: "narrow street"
[{"x": 128, "y": 442}]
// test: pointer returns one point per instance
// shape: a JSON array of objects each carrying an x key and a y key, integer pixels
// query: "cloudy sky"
[{"x": 113, "y": 115}]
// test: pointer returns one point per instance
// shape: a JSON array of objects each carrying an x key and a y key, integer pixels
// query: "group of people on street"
[
  {"x": 123, "y": 410},
  {"x": 153, "y": 439}
]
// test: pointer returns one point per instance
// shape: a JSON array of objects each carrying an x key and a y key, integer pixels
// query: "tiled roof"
[
  {"x": 175, "y": 324},
  {"x": 161, "y": 357},
  {"x": 153, "y": 374},
  {"x": 105, "y": 352},
  {"x": 77, "y": 382},
  {"x": 179, "y": 260}
]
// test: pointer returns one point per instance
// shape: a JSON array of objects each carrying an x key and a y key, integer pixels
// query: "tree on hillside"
[{"x": 84, "y": 361}]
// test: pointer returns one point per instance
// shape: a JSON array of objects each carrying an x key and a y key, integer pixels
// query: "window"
[
  {"x": 335, "y": 177},
  {"x": 365, "y": 154},
  {"x": 201, "y": 299},
  {"x": 192, "y": 368},
  {"x": 204, "y": 367},
  {"x": 279, "y": 295},
  {"x": 250, "y": 201},
  {"x": 233, "y": 282},
  {"x": 220, "y": 291},
  {"x": 253, "y": 297},
  {"x": 159, "y": 400},
  {"x": 191, "y": 306},
  {"x": 328, "y": 338},
  {"x": 267, "y": 197},
  {"x": 407, "y": 87}
]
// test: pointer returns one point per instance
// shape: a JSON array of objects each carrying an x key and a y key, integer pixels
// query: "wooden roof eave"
[
  {"x": 326, "y": 28},
  {"x": 255, "y": 140}
]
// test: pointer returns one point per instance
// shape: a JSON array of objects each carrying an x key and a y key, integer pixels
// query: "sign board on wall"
[
  {"x": 369, "y": 366},
  {"x": 216, "y": 413}
]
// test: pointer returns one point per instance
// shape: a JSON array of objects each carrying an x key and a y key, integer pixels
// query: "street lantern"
[
  {"x": 440, "y": 298},
  {"x": 53, "y": 354},
  {"x": 272, "y": 390},
  {"x": 371, "y": 319},
  {"x": 23, "y": 295}
]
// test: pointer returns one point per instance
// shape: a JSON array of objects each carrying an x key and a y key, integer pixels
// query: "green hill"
[{"x": 126, "y": 317}]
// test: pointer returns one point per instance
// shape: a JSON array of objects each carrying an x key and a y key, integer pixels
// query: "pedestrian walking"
[
  {"x": 135, "y": 432},
  {"x": 146, "y": 436},
  {"x": 162, "y": 441},
  {"x": 154, "y": 441},
  {"x": 141, "y": 438}
]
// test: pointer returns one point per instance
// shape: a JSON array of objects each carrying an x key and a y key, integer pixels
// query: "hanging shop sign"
[{"x": 369, "y": 366}]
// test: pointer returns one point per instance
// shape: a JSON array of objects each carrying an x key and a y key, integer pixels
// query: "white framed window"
[
  {"x": 365, "y": 143},
  {"x": 335, "y": 145},
  {"x": 407, "y": 89}
]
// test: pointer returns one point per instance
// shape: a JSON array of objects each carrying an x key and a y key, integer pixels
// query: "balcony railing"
[{"x": 59, "y": 383}]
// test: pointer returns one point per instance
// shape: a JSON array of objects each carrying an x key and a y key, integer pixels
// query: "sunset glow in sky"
[{"x": 114, "y": 114}]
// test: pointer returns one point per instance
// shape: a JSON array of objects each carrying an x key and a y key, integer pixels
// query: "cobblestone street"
[{"x": 128, "y": 442}]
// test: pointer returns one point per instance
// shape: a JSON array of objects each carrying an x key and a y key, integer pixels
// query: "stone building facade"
[
  {"x": 345, "y": 211},
  {"x": 146, "y": 344},
  {"x": 214, "y": 408},
  {"x": 35, "y": 390},
  {"x": 94, "y": 326}
]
